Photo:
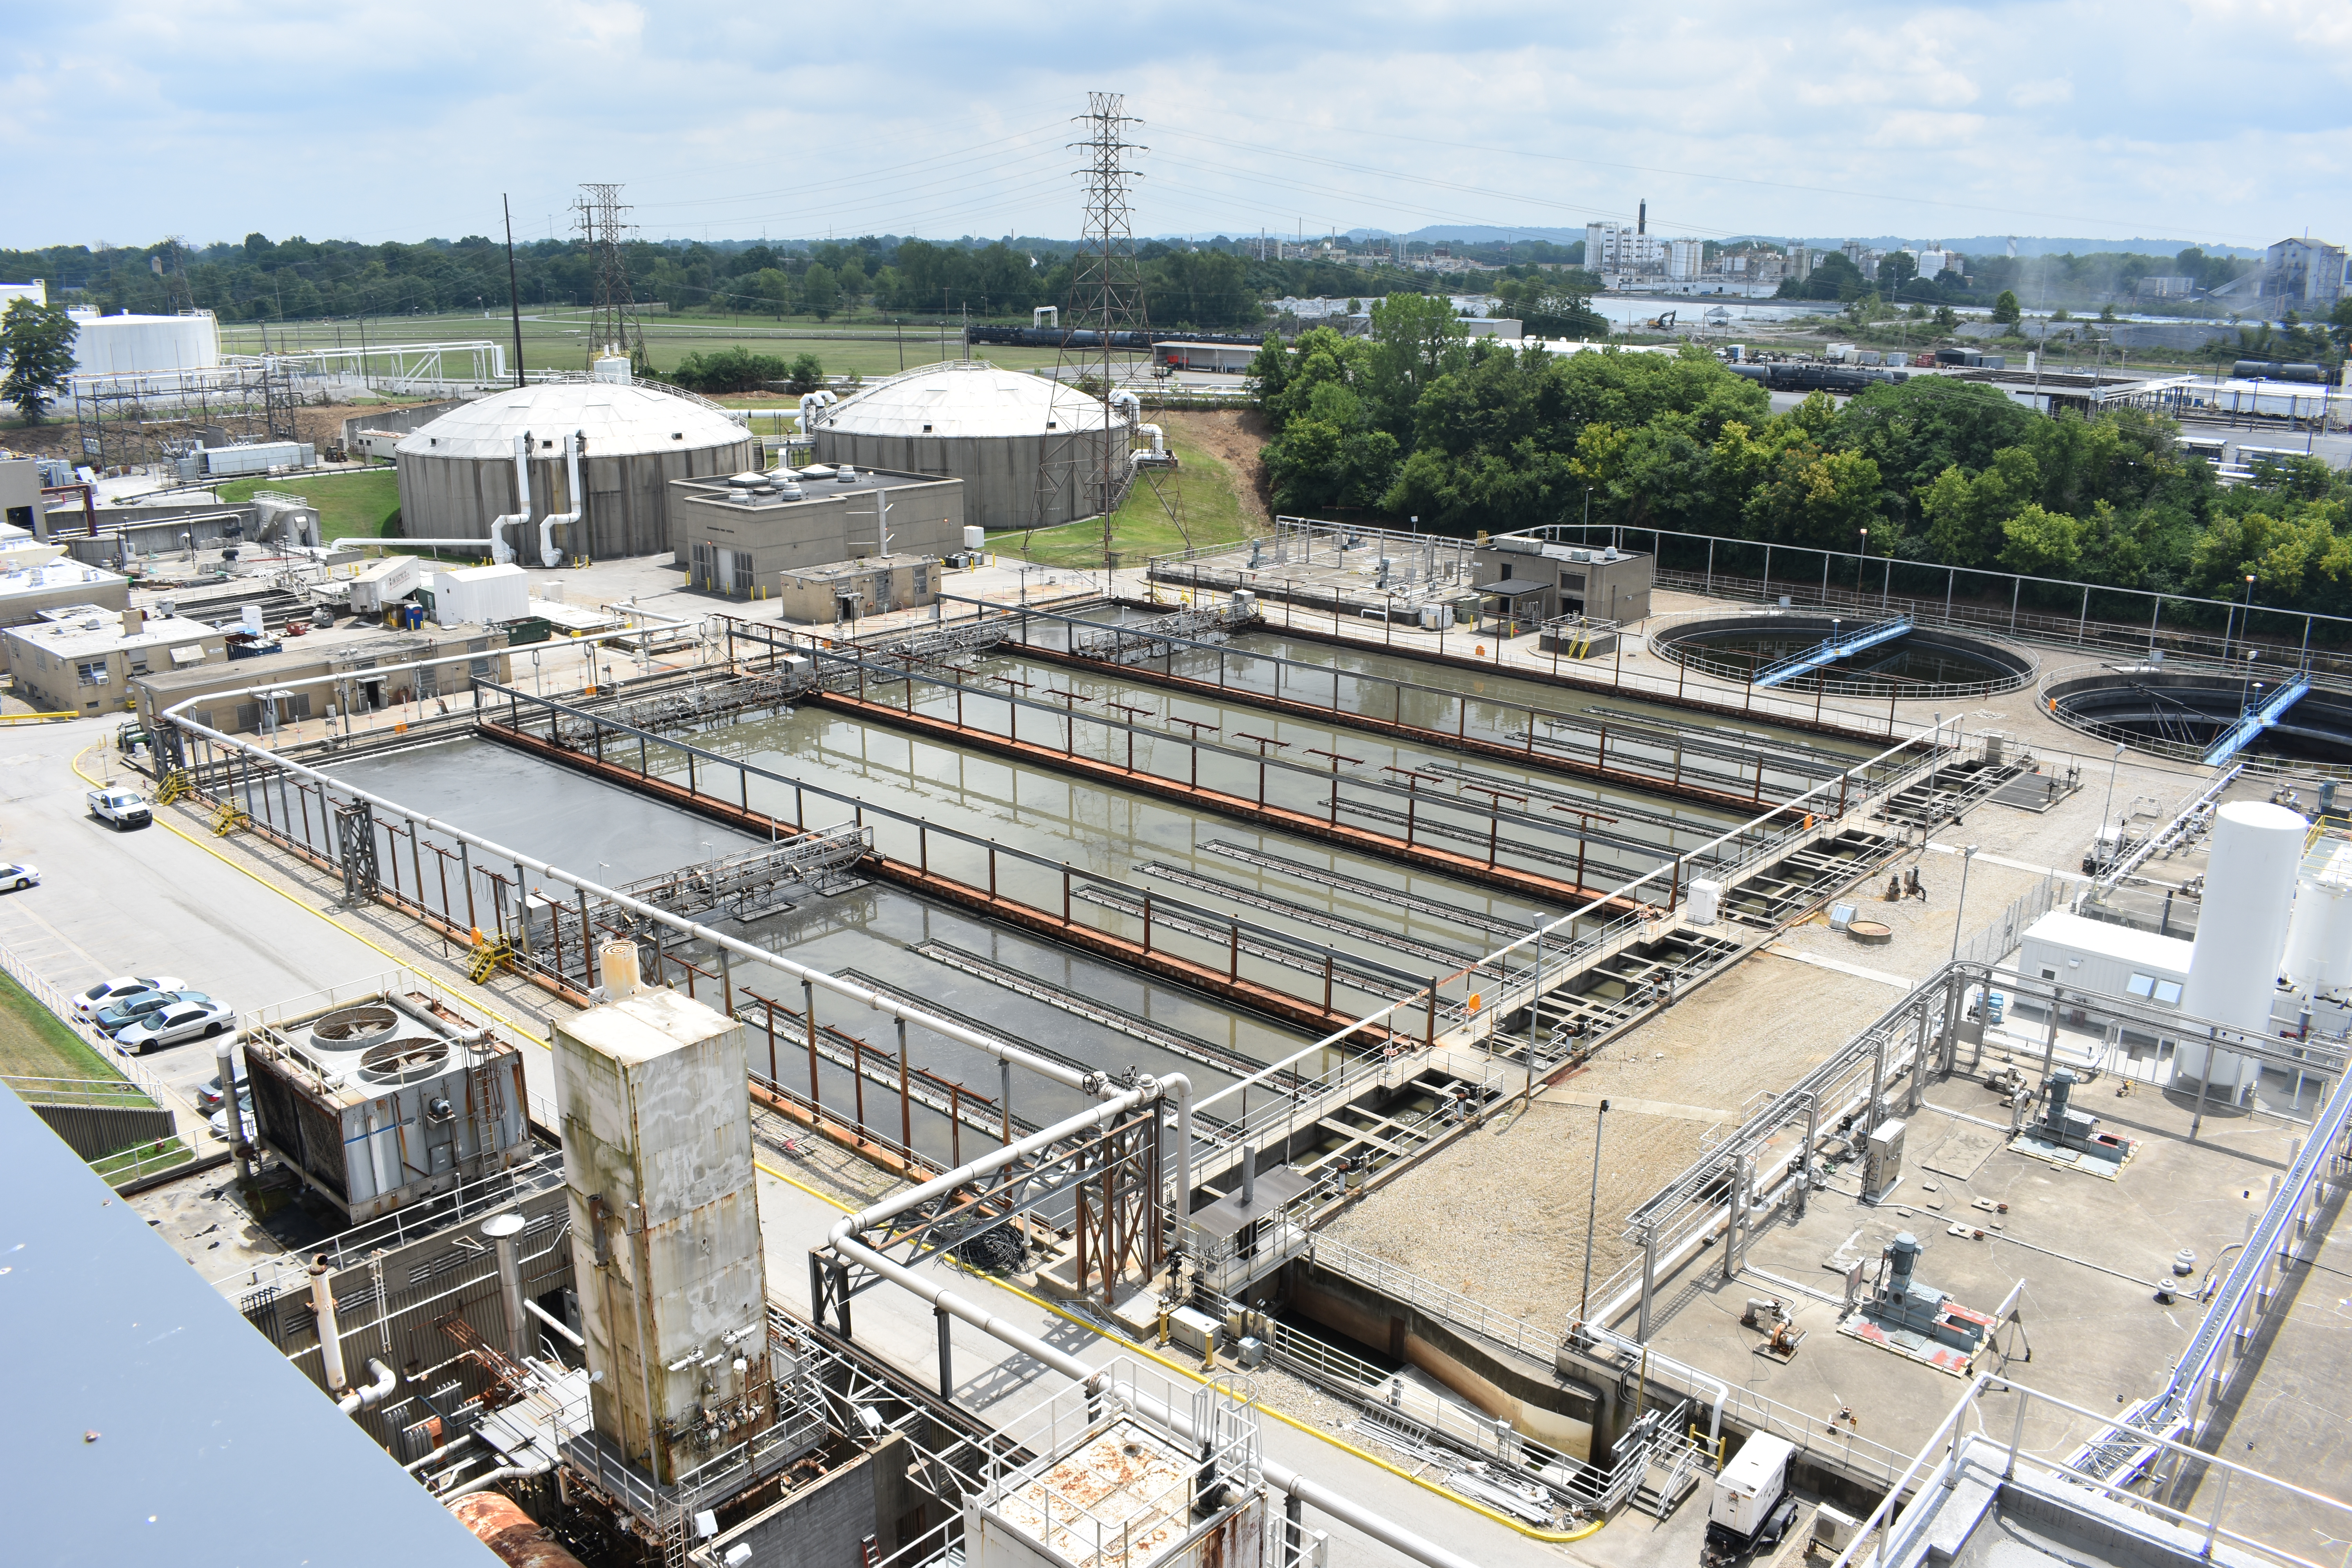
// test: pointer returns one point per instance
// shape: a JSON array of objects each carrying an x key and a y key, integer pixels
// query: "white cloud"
[
  {"x": 375, "y": 120},
  {"x": 2038, "y": 94}
]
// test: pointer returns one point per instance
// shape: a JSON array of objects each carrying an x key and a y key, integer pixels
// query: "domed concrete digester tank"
[
  {"x": 2241, "y": 933},
  {"x": 633, "y": 438}
]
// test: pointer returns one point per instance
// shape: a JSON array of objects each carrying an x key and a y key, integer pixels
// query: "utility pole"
[
  {"x": 1591, "y": 1211},
  {"x": 514, "y": 294}
]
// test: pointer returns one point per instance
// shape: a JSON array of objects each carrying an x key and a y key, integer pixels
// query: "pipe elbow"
[{"x": 373, "y": 1394}]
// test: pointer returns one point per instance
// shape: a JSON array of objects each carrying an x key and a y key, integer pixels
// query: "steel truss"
[{"x": 1109, "y": 1176}]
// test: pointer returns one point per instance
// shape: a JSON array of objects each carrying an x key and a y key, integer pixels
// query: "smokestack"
[
  {"x": 617, "y": 962},
  {"x": 1642, "y": 217}
]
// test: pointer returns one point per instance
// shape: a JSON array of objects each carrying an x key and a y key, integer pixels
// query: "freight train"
[
  {"x": 1816, "y": 377},
  {"x": 1087, "y": 338}
]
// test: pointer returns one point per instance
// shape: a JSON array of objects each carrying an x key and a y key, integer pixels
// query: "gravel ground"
[
  {"x": 1500, "y": 1216},
  {"x": 1527, "y": 1177}
]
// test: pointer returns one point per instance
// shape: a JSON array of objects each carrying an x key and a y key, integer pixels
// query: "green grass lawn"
[
  {"x": 36, "y": 1043},
  {"x": 1142, "y": 528},
  {"x": 363, "y": 502}
]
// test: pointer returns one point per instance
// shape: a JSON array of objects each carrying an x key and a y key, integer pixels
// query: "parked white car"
[
  {"x": 15, "y": 874},
  {"x": 89, "y": 1004},
  {"x": 181, "y": 1021}
]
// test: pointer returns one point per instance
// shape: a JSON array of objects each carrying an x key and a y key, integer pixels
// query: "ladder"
[
  {"x": 485, "y": 959},
  {"x": 175, "y": 786},
  {"x": 227, "y": 818}
]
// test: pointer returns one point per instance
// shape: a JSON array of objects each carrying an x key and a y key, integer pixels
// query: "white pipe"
[
  {"x": 331, "y": 1336},
  {"x": 812, "y": 408},
  {"x": 373, "y": 1394},
  {"x": 501, "y": 553},
  {"x": 443, "y": 1452},
  {"x": 541, "y": 1313},
  {"x": 1122, "y": 399},
  {"x": 565, "y": 520},
  {"x": 1339, "y": 1507},
  {"x": 1159, "y": 441},
  {"x": 491, "y": 1477}
]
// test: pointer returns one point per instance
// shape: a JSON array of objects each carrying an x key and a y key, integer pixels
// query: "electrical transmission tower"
[
  {"x": 1083, "y": 471},
  {"x": 614, "y": 325}
]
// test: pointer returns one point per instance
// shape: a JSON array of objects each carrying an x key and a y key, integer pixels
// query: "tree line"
[{"x": 1417, "y": 419}]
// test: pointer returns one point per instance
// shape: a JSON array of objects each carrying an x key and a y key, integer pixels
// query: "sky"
[{"x": 2214, "y": 120}]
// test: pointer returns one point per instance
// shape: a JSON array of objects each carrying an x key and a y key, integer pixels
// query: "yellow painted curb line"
[
  {"x": 516, "y": 1024},
  {"x": 1556, "y": 1536}
]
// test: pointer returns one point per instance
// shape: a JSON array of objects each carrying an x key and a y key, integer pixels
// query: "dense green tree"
[
  {"x": 821, "y": 291},
  {"x": 38, "y": 343},
  {"x": 2005, "y": 309}
]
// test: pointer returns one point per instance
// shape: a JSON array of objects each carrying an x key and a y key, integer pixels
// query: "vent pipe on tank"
[
  {"x": 330, "y": 1337},
  {"x": 500, "y": 553},
  {"x": 567, "y": 520},
  {"x": 617, "y": 961}
]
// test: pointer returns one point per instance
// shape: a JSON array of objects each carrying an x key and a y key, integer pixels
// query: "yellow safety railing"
[
  {"x": 227, "y": 818},
  {"x": 33, "y": 718},
  {"x": 177, "y": 785}
]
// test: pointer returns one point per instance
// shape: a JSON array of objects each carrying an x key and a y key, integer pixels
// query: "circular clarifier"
[{"x": 1906, "y": 662}]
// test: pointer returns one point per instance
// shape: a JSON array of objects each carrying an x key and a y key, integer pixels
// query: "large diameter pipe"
[
  {"x": 331, "y": 1334},
  {"x": 515, "y": 1537},
  {"x": 501, "y": 553},
  {"x": 374, "y": 1394}
]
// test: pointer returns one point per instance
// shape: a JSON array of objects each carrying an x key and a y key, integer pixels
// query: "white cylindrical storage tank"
[
  {"x": 145, "y": 345},
  {"x": 2319, "y": 936},
  {"x": 2241, "y": 932},
  {"x": 1706, "y": 897}
]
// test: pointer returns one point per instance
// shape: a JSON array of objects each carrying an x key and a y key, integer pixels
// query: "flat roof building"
[
  {"x": 739, "y": 536},
  {"x": 88, "y": 663},
  {"x": 348, "y": 676},
  {"x": 848, "y": 590}
]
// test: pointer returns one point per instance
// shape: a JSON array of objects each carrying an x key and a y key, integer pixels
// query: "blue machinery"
[
  {"x": 1831, "y": 650},
  {"x": 2256, "y": 719}
]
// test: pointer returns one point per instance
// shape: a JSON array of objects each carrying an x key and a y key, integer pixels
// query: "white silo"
[
  {"x": 2319, "y": 936},
  {"x": 2234, "y": 965}
]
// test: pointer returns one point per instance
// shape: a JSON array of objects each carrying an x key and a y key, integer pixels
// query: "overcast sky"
[{"x": 2213, "y": 121}]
